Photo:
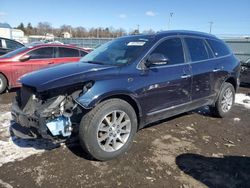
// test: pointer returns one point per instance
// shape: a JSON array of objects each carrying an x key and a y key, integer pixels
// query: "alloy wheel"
[
  {"x": 227, "y": 100},
  {"x": 113, "y": 131}
]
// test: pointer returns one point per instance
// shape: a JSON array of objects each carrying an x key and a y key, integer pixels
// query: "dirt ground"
[{"x": 190, "y": 150}]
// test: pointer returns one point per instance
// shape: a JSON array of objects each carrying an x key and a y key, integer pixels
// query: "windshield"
[
  {"x": 14, "y": 52},
  {"x": 120, "y": 51}
]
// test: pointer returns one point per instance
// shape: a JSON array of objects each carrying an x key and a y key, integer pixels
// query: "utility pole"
[
  {"x": 210, "y": 26},
  {"x": 169, "y": 19}
]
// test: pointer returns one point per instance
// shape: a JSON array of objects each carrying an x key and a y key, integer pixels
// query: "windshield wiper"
[{"x": 95, "y": 62}]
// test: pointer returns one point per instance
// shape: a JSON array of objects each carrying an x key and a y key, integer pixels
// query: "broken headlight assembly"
[
  {"x": 53, "y": 110},
  {"x": 61, "y": 110}
]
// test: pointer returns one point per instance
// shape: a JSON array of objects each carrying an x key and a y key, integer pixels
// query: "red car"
[{"x": 27, "y": 59}]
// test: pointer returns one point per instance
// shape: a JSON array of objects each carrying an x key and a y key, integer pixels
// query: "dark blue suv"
[{"x": 124, "y": 85}]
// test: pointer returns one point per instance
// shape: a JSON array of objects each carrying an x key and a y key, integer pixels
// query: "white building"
[
  {"x": 7, "y": 32},
  {"x": 66, "y": 35}
]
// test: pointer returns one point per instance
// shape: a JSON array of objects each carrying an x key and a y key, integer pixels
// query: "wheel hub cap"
[
  {"x": 227, "y": 100},
  {"x": 113, "y": 131}
]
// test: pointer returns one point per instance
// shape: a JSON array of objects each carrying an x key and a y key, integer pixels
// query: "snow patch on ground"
[
  {"x": 243, "y": 100},
  {"x": 15, "y": 149}
]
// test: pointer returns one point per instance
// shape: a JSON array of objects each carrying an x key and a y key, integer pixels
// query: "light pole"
[
  {"x": 169, "y": 19},
  {"x": 210, "y": 26}
]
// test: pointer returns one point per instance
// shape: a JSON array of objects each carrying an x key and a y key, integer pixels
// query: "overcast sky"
[{"x": 228, "y": 16}]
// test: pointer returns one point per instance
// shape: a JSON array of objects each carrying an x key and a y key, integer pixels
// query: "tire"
[
  {"x": 225, "y": 101},
  {"x": 101, "y": 136},
  {"x": 3, "y": 83}
]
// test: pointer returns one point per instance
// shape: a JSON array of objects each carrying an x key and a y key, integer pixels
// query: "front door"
[
  {"x": 169, "y": 85},
  {"x": 41, "y": 57}
]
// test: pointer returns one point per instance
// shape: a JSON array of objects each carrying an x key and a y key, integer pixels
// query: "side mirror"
[
  {"x": 25, "y": 57},
  {"x": 157, "y": 59}
]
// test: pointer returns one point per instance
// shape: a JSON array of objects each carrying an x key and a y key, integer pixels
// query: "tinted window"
[
  {"x": 1, "y": 43},
  {"x": 12, "y": 44},
  {"x": 219, "y": 48},
  {"x": 82, "y": 53},
  {"x": 172, "y": 49},
  {"x": 42, "y": 53},
  {"x": 68, "y": 52},
  {"x": 197, "y": 49},
  {"x": 15, "y": 52}
]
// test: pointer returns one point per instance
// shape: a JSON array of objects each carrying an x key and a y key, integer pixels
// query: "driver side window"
[
  {"x": 171, "y": 49},
  {"x": 42, "y": 53}
]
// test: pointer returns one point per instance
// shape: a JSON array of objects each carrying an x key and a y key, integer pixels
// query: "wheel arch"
[
  {"x": 128, "y": 97},
  {"x": 136, "y": 106},
  {"x": 232, "y": 81}
]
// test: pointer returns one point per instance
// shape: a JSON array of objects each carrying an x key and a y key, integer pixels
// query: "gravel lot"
[{"x": 190, "y": 150}]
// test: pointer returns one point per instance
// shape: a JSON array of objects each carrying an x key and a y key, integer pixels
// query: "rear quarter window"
[{"x": 219, "y": 48}]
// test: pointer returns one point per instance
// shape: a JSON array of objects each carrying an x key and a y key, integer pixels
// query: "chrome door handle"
[
  {"x": 186, "y": 76},
  {"x": 216, "y": 70}
]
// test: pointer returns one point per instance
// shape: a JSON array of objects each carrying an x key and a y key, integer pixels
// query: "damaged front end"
[{"x": 52, "y": 115}]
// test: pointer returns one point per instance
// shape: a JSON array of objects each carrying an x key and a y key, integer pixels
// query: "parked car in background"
[
  {"x": 245, "y": 72},
  {"x": 8, "y": 45},
  {"x": 124, "y": 85},
  {"x": 21, "y": 61}
]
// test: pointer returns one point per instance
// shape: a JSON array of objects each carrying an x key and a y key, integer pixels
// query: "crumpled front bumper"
[{"x": 26, "y": 126}]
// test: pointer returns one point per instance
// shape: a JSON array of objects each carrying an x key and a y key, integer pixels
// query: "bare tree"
[{"x": 43, "y": 28}]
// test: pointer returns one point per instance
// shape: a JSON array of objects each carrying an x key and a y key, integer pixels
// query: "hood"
[{"x": 65, "y": 75}]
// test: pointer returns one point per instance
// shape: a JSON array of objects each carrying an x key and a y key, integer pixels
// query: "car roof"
[
  {"x": 54, "y": 45},
  {"x": 163, "y": 34},
  {"x": 185, "y": 32}
]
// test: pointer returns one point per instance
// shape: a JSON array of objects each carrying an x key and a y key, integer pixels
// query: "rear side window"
[
  {"x": 172, "y": 49},
  {"x": 67, "y": 52},
  {"x": 41, "y": 53},
  {"x": 197, "y": 49},
  {"x": 219, "y": 48}
]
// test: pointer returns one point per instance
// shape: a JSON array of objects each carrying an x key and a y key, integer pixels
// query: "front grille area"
[{"x": 23, "y": 96}]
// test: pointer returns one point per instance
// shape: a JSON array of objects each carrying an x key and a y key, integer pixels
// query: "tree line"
[{"x": 43, "y": 28}]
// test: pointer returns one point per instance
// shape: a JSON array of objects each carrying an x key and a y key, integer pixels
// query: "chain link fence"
[
  {"x": 80, "y": 42},
  {"x": 240, "y": 46}
]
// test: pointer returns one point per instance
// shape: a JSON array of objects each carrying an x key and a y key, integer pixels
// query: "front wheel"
[
  {"x": 225, "y": 101},
  {"x": 107, "y": 131}
]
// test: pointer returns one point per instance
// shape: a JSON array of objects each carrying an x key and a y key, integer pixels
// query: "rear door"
[
  {"x": 200, "y": 57},
  {"x": 67, "y": 55}
]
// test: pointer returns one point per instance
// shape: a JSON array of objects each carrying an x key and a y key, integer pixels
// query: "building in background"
[
  {"x": 66, "y": 35},
  {"x": 7, "y": 31}
]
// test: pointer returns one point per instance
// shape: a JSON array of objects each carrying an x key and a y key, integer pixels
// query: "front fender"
[{"x": 101, "y": 90}]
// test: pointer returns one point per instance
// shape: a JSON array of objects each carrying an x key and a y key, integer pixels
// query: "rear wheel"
[
  {"x": 108, "y": 130},
  {"x": 225, "y": 101},
  {"x": 3, "y": 83}
]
